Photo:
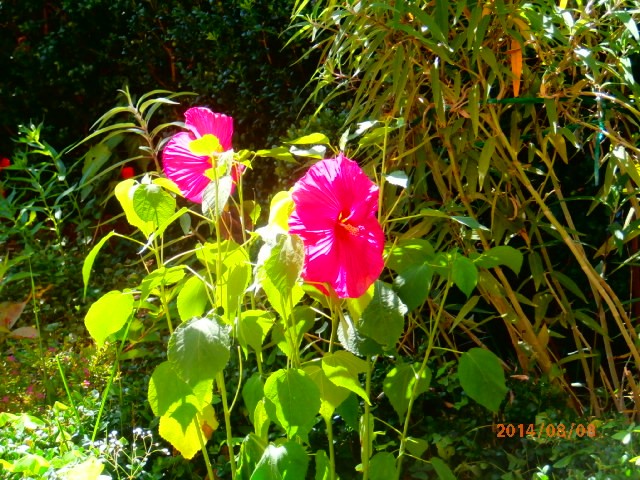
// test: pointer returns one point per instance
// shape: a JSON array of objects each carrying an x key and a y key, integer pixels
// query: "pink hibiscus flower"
[
  {"x": 336, "y": 207},
  {"x": 183, "y": 160}
]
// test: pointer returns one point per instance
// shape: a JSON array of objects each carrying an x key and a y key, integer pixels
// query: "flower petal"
[
  {"x": 184, "y": 168},
  {"x": 335, "y": 214},
  {"x": 201, "y": 120},
  {"x": 349, "y": 263}
]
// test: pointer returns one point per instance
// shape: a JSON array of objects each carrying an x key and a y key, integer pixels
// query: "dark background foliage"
[{"x": 62, "y": 62}]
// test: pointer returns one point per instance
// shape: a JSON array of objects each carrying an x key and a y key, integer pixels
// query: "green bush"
[{"x": 65, "y": 59}]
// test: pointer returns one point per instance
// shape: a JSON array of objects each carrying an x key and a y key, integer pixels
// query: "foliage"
[
  {"x": 471, "y": 121},
  {"x": 39, "y": 200},
  {"x": 215, "y": 323},
  {"x": 65, "y": 58},
  {"x": 515, "y": 116}
]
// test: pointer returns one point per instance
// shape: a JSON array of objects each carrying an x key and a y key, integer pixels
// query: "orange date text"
[{"x": 546, "y": 430}]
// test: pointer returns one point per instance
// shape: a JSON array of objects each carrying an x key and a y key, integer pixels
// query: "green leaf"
[
  {"x": 162, "y": 276},
  {"x": 499, "y": 256},
  {"x": 442, "y": 469},
  {"x": 285, "y": 263},
  {"x": 417, "y": 446},
  {"x": 288, "y": 461},
  {"x": 537, "y": 270},
  {"x": 383, "y": 319},
  {"x": 482, "y": 378},
  {"x": 569, "y": 284},
  {"x": 382, "y": 466},
  {"x": 464, "y": 311},
  {"x": 469, "y": 222},
  {"x": 409, "y": 253},
  {"x": 464, "y": 275},
  {"x": 484, "y": 162},
  {"x": 152, "y": 204},
  {"x": 331, "y": 395},
  {"x": 354, "y": 341},
  {"x": 342, "y": 369},
  {"x": 252, "y": 328},
  {"x": 166, "y": 392},
  {"x": 413, "y": 285},
  {"x": 251, "y": 452},
  {"x": 399, "y": 383},
  {"x": 198, "y": 349},
  {"x": 292, "y": 400},
  {"x": 192, "y": 299},
  {"x": 122, "y": 192},
  {"x": 187, "y": 439},
  {"x": 90, "y": 469},
  {"x": 108, "y": 315},
  {"x": 312, "y": 138},
  {"x": 279, "y": 153},
  {"x": 474, "y": 113},
  {"x": 285, "y": 335},
  {"x": 349, "y": 410},
  {"x": 252, "y": 393},
  {"x": 233, "y": 283},
  {"x": 261, "y": 420},
  {"x": 90, "y": 258},
  {"x": 278, "y": 272},
  {"x": 323, "y": 466},
  {"x": 185, "y": 223},
  {"x": 31, "y": 465},
  {"x": 280, "y": 210}
]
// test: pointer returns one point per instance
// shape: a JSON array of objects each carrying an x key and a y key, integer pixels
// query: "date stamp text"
[{"x": 546, "y": 430}]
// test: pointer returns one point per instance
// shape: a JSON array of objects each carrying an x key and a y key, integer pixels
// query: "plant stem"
[
  {"x": 116, "y": 365},
  {"x": 227, "y": 423},
  {"x": 366, "y": 428},
  {"x": 45, "y": 378},
  {"x": 332, "y": 454},
  {"x": 66, "y": 389},
  {"x": 203, "y": 446},
  {"x": 433, "y": 332}
]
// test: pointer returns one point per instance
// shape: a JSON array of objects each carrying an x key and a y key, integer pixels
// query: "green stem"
[
  {"x": 66, "y": 389},
  {"x": 114, "y": 369},
  {"x": 227, "y": 422},
  {"x": 366, "y": 430},
  {"x": 332, "y": 339},
  {"x": 432, "y": 336},
  {"x": 166, "y": 308},
  {"x": 293, "y": 335},
  {"x": 36, "y": 310},
  {"x": 203, "y": 445},
  {"x": 332, "y": 454}
]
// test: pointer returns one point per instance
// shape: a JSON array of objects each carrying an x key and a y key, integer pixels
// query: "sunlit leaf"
[
  {"x": 482, "y": 378},
  {"x": 292, "y": 401},
  {"x": 287, "y": 461},
  {"x": 108, "y": 315},
  {"x": 199, "y": 349}
]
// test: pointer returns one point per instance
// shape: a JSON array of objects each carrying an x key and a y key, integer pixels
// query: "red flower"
[
  {"x": 4, "y": 163},
  {"x": 127, "y": 172},
  {"x": 336, "y": 207}
]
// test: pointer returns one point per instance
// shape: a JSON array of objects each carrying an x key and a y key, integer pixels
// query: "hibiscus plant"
[{"x": 320, "y": 279}]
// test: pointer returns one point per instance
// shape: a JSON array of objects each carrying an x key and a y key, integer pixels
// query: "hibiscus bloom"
[
  {"x": 4, "y": 163},
  {"x": 191, "y": 159},
  {"x": 336, "y": 207}
]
